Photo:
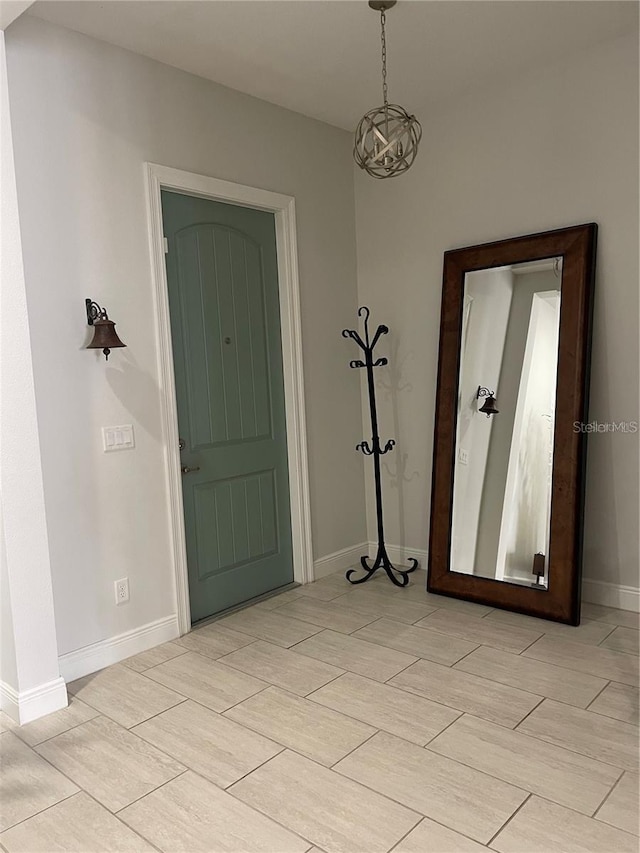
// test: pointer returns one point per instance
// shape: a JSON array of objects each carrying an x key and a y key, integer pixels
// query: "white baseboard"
[
  {"x": 611, "y": 594},
  {"x": 338, "y": 561},
  {"x": 28, "y": 705},
  {"x": 400, "y": 556},
  {"x": 350, "y": 558},
  {"x": 596, "y": 592},
  {"x": 98, "y": 655}
]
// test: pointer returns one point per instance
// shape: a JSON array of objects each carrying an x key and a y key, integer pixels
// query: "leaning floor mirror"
[{"x": 509, "y": 451}]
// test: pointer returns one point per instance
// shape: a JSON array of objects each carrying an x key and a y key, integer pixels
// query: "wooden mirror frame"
[{"x": 561, "y": 600}]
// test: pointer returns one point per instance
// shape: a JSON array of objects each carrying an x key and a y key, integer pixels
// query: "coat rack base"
[{"x": 382, "y": 561}]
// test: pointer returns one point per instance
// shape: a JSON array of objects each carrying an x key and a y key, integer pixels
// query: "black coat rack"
[{"x": 374, "y": 449}]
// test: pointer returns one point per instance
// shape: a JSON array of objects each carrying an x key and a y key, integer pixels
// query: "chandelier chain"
[{"x": 383, "y": 39}]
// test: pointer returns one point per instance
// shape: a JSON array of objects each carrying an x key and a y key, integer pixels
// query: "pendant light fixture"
[{"x": 387, "y": 137}]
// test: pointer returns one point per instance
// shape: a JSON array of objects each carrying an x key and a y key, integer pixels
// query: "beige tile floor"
[{"x": 340, "y": 719}]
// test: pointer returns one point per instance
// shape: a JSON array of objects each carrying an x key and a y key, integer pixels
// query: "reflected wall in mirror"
[
  {"x": 503, "y": 462},
  {"x": 508, "y": 463}
]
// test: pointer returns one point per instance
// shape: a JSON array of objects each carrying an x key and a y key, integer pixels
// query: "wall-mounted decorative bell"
[
  {"x": 105, "y": 336},
  {"x": 488, "y": 408}
]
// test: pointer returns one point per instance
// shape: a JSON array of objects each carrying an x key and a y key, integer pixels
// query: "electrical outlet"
[{"x": 122, "y": 590}]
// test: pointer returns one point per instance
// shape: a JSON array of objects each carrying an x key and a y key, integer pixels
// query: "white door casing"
[{"x": 283, "y": 208}]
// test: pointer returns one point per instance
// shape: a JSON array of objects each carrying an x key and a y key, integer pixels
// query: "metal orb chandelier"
[{"x": 387, "y": 137}]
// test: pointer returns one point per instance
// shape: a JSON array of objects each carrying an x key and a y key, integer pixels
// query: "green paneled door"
[{"x": 225, "y": 326}]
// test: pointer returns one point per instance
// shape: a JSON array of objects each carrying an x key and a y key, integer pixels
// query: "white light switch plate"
[{"x": 118, "y": 438}]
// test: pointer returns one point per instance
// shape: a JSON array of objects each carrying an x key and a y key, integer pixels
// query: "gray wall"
[
  {"x": 86, "y": 116},
  {"x": 556, "y": 147},
  {"x": 502, "y": 432}
]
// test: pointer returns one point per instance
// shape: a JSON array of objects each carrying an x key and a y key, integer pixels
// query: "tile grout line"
[
  {"x": 349, "y": 716},
  {"x": 400, "y": 671},
  {"x": 200, "y": 655},
  {"x": 84, "y": 791},
  {"x": 241, "y": 629},
  {"x": 422, "y": 814},
  {"x": 454, "y": 667},
  {"x": 331, "y": 628},
  {"x": 582, "y": 814},
  {"x": 514, "y": 785},
  {"x": 408, "y": 832},
  {"x": 367, "y": 642},
  {"x": 343, "y": 776},
  {"x": 448, "y": 726},
  {"x": 208, "y": 707},
  {"x": 522, "y": 651},
  {"x": 113, "y": 814},
  {"x": 173, "y": 642},
  {"x": 456, "y": 662},
  {"x": 146, "y": 794},
  {"x": 351, "y": 751},
  {"x": 253, "y": 808},
  {"x": 582, "y": 671},
  {"x": 509, "y": 819},
  {"x": 321, "y": 687},
  {"x": 486, "y": 643},
  {"x": 130, "y": 828},
  {"x": 124, "y": 663},
  {"x": 47, "y": 808},
  {"x": 519, "y": 786},
  {"x": 375, "y": 642},
  {"x": 607, "y": 795},
  {"x": 101, "y": 713},
  {"x": 135, "y": 734},
  {"x": 63, "y": 732},
  {"x": 375, "y": 619},
  {"x": 382, "y": 730},
  {"x": 171, "y": 707},
  {"x": 421, "y": 657},
  {"x": 573, "y": 750},
  {"x": 236, "y": 668},
  {"x": 444, "y": 825},
  {"x": 613, "y": 628},
  {"x": 240, "y": 702},
  {"x": 248, "y": 773},
  {"x": 294, "y": 696},
  {"x": 528, "y": 714},
  {"x": 412, "y": 692},
  {"x": 598, "y": 694},
  {"x": 497, "y": 646}
]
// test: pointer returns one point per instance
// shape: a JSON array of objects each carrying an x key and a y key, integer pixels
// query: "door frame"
[{"x": 158, "y": 178}]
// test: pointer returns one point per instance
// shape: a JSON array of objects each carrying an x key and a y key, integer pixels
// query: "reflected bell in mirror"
[{"x": 488, "y": 408}]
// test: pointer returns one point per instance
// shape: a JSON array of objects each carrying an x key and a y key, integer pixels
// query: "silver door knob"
[{"x": 187, "y": 470}]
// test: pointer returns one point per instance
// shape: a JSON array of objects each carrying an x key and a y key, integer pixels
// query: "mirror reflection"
[{"x": 505, "y": 422}]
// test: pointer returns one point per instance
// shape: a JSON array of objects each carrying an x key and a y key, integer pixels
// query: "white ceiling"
[{"x": 321, "y": 57}]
